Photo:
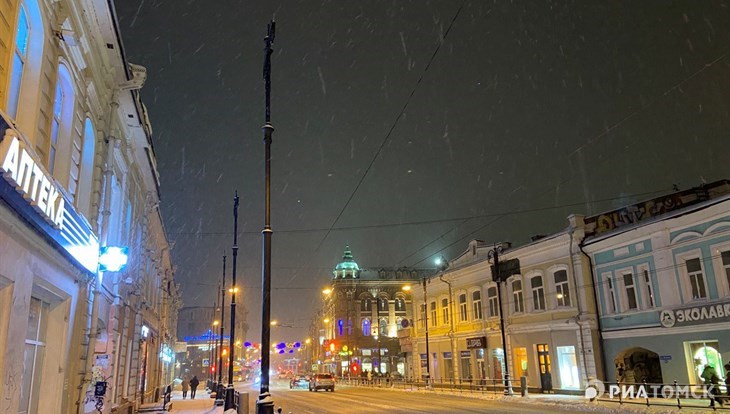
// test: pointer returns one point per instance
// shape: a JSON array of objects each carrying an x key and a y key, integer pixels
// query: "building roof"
[{"x": 348, "y": 262}]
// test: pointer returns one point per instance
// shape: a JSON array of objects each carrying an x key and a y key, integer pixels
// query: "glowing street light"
[
  {"x": 326, "y": 320},
  {"x": 327, "y": 291},
  {"x": 406, "y": 288},
  {"x": 233, "y": 290},
  {"x": 274, "y": 323},
  {"x": 216, "y": 323}
]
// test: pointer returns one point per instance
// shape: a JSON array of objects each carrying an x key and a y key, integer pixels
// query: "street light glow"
[
  {"x": 216, "y": 323},
  {"x": 406, "y": 288},
  {"x": 327, "y": 291},
  {"x": 233, "y": 290},
  {"x": 326, "y": 320},
  {"x": 274, "y": 322}
]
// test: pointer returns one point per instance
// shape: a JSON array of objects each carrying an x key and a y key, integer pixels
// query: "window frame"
[
  {"x": 444, "y": 310},
  {"x": 493, "y": 302},
  {"x": 539, "y": 290},
  {"x": 518, "y": 296},
  {"x": 15, "y": 86},
  {"x": 476, "y": 305},
  {"x": 625, "y": 288},
  {"x": 559, "y": 290},
  {"x": 463, "y": 307}
]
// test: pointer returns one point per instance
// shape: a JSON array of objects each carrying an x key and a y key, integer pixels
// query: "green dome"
[{"x": 348, "y": 262}]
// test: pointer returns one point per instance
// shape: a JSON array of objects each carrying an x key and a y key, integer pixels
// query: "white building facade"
[{"x": 78, "y": 173}]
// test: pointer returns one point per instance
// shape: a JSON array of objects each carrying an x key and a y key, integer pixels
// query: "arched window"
[
  {"x": 445, "y": 310},
  {"x": 476, "y": 301},
  {"x": 462, "y": 308},
  {"x": 366, "y": 329},
  {"x": 62, "y": 114},
  {"x": 538, "y": 293},
  {"x": 20, "y": 57},
  {"x": 493, "y": 302},
  {"x": 400, "y": 305},
  {"x": 517, "y": 297},
  {"x": 562, "y": 288},
  {"x": 383, "y": 305},
  {"x": 25, "y": 60},
  {"x": 365, "y": 305},
  {"x": 85, "y": 167},
  {"x": 383, "y": 327}
]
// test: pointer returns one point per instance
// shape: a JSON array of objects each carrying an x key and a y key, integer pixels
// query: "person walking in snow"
[
  {"x": 193, "y": 386},
  {"x": 185, "y": 386},
  {"x": 712, "y": 384}
]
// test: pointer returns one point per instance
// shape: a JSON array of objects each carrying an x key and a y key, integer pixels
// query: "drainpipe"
[
  {"x": 577, "y": 317},
  {"x": 598, "y": 316},
  {"x": 103, "y": 236},
  {"x": 452, "y": 332}
]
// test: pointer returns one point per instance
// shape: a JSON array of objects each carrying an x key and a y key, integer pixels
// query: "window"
[
  {"x": 696, "y": 279},
  {"x": 383, "y": 327},
  {"x": 538, "y": 293},
  {"x": 562, "y": 288},
  {"x": 726, "y": 265},
  {"x": 365, "y": 305},
  {"x": 445, "y": 310},
  {"x": 611, "y": 305},
  {"x": 631, "y": 301},
  {"x": 422, "y": 321},
  {"x": 366, "y": 329},
  {"x": 55, "y": 125},
  {"x": 20, "y": 57},
  {"x": 462, "y": 308},
  {"x": 517, "y": 299},
  {"x": 400, "y": 305},
  {"x": 568, "y": 366},
  {"x": 433, "y": 313},
  {"x": 35, "y": 343},
  {"x": 383, "y": 305},
  {"x": 650, "y": 301},
  {"x": 492, "y": 299},
  {"x": 476, "y": 303},
  {"x": 62, "y": 114}
]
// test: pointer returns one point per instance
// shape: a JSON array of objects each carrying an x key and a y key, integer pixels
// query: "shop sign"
[
  {"x": 33, "y": 193},
  {"x": 465, "y": 354},
  {"x": 479, "y": 342},
  {"x": 696, "y": 315}
]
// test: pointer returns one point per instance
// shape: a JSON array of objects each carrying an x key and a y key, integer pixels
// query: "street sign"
[{"x": 100, "y": 389}]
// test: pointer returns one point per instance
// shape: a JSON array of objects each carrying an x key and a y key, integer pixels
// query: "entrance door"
[{"x": 543, "y": 360}]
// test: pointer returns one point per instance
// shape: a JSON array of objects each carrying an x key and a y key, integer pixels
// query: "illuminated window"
[
  {"x": 366, "y": 328},
  {"x": 433, "y": 313},
  {"x": 365, "y": 305},
  {"x": 562, "y": 288}
]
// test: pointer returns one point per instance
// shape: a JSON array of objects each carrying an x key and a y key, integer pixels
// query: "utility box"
[{"x": 523, "y": 386}]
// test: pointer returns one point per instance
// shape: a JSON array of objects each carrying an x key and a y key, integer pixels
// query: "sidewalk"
[{"x": 202, "y": 404}]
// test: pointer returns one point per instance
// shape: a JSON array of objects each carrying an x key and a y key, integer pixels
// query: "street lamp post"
[
  {"x": 229, "y": 403},
  {"x": 425, "y": 320},
  {"x": 493, "y": 254},
  {"x": 265, "y": 404},
  {"x": 220, "y": 390}
]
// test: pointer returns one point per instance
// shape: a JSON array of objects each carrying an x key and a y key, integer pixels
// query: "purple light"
[
  {"x": 281, "y": 351},
  {"x": 291, "y": 351},
  {"x": 247, "y": 344},
  {"x": 297, "y": 344},
  {"x": 281, "y": 345}
]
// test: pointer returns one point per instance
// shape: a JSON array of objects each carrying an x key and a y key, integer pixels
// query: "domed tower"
[{"x": 347, "y": 269}]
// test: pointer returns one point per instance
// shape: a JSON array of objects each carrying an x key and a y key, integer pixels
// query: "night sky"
[{"x": 490, "y": 120}]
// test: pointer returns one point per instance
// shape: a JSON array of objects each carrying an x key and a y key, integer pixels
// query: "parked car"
[
  {"x": 299, "y": 381},
  {"x": 322, "y": 382}
]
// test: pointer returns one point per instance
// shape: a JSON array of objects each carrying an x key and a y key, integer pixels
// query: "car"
[
  {"x": 298, "y": 381},
  {"x": 322, "y": 382}
]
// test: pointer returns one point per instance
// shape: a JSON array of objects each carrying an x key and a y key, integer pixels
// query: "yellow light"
[
  {"x": 406, "y": 288},
  {"x": 326, "y": 320},
  {"x": 274, "y": 322},
  {"x": 327, "y": 291},
  {"x": 233, "y": 290},
  {"x": 308, "y": 341},
  {"x": 560, "y": 295},
  {"x": 238, "y": 343},
  {"x": 216, "y": 323},
  {"x": 225, "y": 352}
]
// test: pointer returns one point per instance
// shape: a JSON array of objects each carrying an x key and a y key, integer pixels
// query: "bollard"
[{"x": 523, "y": 386}]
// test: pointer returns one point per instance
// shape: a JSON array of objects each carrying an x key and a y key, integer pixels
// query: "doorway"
[{"x": 543, "y": 360}]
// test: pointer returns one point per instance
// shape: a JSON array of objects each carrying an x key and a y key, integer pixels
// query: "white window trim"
[
  {"x": 466, "y": 303},
  {"x": 444, "y": 317},
  {"x": 487, "y": 308},
  {"x": 609, "y": 294},
  {"x": 722, "y": 283},
  {"x": 553, "y": 291},
  {"x": 528, "y": 277},
  {"x": 470, "y": 298},
  {"x": 512, "y": 301},
  {"x": 644, "y": 289},
  {"x": 622, "y": 289},
  {"x": 680, "y": 260}
]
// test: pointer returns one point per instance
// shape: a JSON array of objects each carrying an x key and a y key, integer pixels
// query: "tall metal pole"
[
  {"x": 425, "y": 319},
  {"x": 220, "y": 390},
  {"x": 229, "y": 404},
  {"x": 265, "y": 404},
  {"x": 494, "y": 253}
]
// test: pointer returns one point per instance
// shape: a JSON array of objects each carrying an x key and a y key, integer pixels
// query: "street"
[{"x": 347, "y": 399}]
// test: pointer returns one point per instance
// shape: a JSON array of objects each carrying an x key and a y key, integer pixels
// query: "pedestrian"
[
  {"x": 193, "y": 386},
  {"x": 370, "y": 377},
  {"x": 712, "y": 384},
  {"x": 185, "y": 386}
]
